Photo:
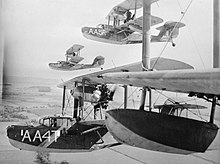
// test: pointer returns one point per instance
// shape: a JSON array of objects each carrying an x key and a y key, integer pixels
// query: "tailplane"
[{"x": 168, "y": 32}]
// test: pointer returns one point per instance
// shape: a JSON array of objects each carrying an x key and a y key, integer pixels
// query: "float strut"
[
  {"x": 143, "y": 97},
  {"x": 150, "y": 99},
  {"x": 63, "y": 104},
  {"x": 125, "y": 96},
  {"x": 76, "y": 105},
  {"x": 214, "y": 101},
  {"x": 82, "y": 99}
]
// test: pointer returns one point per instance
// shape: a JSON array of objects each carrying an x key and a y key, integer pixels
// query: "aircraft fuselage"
[
  {"x": 113, "y": 35},
  {"x": 55, "y": 139}
]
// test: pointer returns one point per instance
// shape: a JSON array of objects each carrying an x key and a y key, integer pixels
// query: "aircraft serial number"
[
  {"x": 95, "y": 31},
  {"x": 39, "y": 136}
]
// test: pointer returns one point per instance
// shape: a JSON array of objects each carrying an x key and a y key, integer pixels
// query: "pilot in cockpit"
[
  {"x": 53, "y": 122},
  {"x": 128, "y": 16}
]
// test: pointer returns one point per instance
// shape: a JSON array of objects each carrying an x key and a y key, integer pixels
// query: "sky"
[{"x": 37, "y": 32}]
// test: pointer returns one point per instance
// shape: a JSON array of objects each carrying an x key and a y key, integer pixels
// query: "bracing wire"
[
  {"x": 197, "y": 49},
  {"x": 157, "y": 98},
  {"x": 88, "y": 113},
  {"x": 133, "y": 99},
  {"x": 183, "y": 14},
  {"x": 128, "y": 97}
]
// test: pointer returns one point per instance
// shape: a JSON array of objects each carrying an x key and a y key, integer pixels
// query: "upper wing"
[
  {"x": 120, "y": 9},
  {"x": 185, "y": 81},
  {"x": 74, "y": 48},
  {"x": 161, "y": 64}
]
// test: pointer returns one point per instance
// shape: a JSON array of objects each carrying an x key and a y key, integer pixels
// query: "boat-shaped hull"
[
  {"x": 78, "y": 138},
  {"x": 160, "y": 132},
  {"x": 66, "y": 66}
]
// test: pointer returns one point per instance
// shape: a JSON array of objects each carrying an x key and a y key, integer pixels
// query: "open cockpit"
[{"x": 57, "y": 121}]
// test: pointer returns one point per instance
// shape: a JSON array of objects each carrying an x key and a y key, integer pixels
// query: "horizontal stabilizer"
[{"x": 170, "y": 25}]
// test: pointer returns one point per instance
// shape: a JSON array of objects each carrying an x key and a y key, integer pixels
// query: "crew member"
[{"x": 128, "y": 16}]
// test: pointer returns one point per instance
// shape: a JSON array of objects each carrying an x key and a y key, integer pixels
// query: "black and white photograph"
[{"x": 109, "y": 82}]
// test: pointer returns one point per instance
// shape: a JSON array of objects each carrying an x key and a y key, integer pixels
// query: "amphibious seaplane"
[
  {"x": 58, "y": 133},
  {"x": 129, "y": 32},
  {"x": 67, "y": 133},
  {"x": 73, "y": 58}
]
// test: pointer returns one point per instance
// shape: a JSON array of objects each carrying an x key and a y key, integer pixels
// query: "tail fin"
[
  {"x": 170, "y": 29},
  {"x": 168, "y": 32},
  {"x": 98, "y": 61}
]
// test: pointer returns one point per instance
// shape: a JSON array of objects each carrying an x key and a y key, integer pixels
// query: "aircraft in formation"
[
  {"x": 73, "y": 58},
  {"x": 64, "y": 133},
  {"x": 165, "y": 130},
  {"x": 123, "y": 28}
]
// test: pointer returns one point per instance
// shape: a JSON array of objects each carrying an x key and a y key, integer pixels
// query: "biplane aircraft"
[
  {"x": 73, "y": 58},
  {"x": 58, "y": 133},
  {"x": 64, "y": 133},
  {"x": 129, "y": 32}
]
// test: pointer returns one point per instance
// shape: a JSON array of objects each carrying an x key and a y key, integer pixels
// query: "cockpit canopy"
[{"x": 57, "y": 121}]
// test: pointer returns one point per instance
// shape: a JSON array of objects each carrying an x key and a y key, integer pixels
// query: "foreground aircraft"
[
  {"x": 73, "y": 58},
  {"x": 129, "y": 32},
  {"x": 60, "y": 132}
]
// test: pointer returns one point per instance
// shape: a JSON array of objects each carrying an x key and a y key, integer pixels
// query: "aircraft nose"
[
  {"x": 51, "y": 64},
  {"x": 84, "y": 29},
  {"x": 10, "y": 131}
]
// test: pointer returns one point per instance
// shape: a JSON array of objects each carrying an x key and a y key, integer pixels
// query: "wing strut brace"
[
  {"x": 214, "y": 102},
  {"x": 63, "y": 104}
]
